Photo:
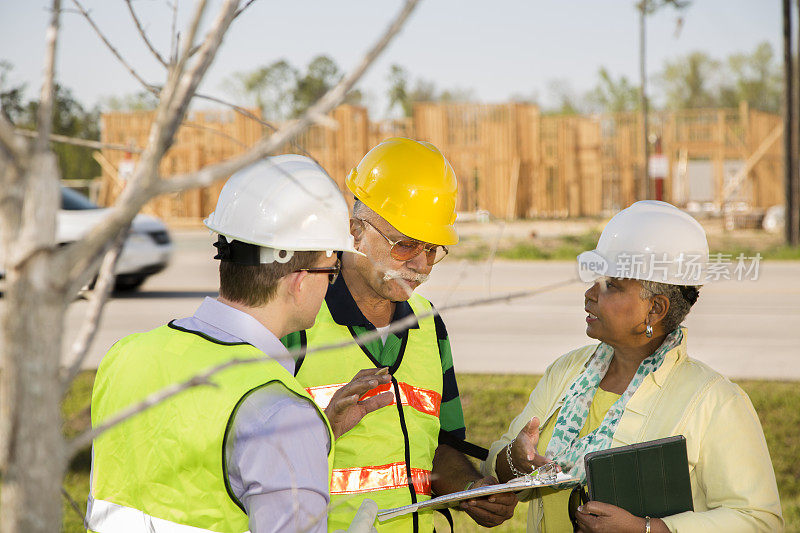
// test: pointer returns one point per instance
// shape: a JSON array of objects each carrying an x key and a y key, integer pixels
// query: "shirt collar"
[
  {"x": 345, "y": 311},
  {"x": 244, "y": 327},
  {"x": 671, "y": 358}
]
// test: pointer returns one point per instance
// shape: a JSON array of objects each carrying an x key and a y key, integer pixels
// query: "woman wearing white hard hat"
[{"x": 639, "y": 384}]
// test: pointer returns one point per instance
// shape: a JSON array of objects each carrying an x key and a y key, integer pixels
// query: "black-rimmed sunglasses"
[
  {"x": 577, "y": 498},
  {"x": 332, "y": 272}
]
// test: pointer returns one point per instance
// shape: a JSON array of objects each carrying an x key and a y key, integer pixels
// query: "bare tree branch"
[
  {"x": 239, "y": 109},
  {"x": 143, "y": 34},
  {"x": 102, "y": 289},
  {"x": 84, "y": 439},
  {"x": 327, "y": 102},
  {"x": 73, "y": 504},
  {"x": 186, "y": 85},
  {"x": 490, "y": 260},
  {"x": 179, "y": 60},
  {"x": 44, "y": 118},
  {"x": 247, "y": 4},
  {"x": 194, "y": 26},
  {"x": 252, "y": 116},
  {"x": 175, "y": 97},
  {"x": 137, "y": 193},
  {"x": 204, "y": 378},
  {"x": 36, "y": 230},
  {"x": 215, "y": 131},
  {"x": 97, "y": 145},
  {"x": 113, "y": 50},
  {"x": 9, "y": 150},
  {"x": 87, "y": 143},
  {"x": 173, "y": 43}
]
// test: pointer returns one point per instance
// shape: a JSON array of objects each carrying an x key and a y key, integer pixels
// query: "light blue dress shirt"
[{"x": 277, "y": 447}]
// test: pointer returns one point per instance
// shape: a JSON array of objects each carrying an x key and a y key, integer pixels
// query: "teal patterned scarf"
[{"x": 565, "y": 448}]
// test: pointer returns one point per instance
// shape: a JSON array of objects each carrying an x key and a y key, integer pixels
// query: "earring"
[{"x": 648, "y": 331}]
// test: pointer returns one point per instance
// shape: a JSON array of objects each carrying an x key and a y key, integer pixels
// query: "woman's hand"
[
  {"x": 523, "y": 453},
  {"x": 523, "y": 450},
  {"x": 598, "y": 517}
]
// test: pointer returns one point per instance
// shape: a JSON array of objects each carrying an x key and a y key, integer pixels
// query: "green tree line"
[
  {"x": 283, "y": 91},
  {"x": 70, "y": 118}
]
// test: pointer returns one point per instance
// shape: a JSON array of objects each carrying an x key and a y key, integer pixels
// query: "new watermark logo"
[{"x": 686, "y": 269}]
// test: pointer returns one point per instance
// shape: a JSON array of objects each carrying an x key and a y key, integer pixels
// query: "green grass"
[
  {"x": 567, "y": 247},
  {"x": 490, "y": 402},
  {"x": 781, "y": 252},
  {"x": 75, "y": 410}
]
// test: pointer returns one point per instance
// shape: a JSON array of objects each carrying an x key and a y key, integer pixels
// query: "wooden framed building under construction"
[{"x": 510, "y": 159}]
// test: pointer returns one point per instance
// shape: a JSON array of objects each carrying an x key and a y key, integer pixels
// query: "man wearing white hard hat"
[
  {"x": 252, "y": 451},
  {"x": 639, "y": 384}
]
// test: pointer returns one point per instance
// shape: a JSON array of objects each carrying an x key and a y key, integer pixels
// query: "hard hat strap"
[
  {"x": 238, "y": 252},
  {"x": 243, "y": 253}
]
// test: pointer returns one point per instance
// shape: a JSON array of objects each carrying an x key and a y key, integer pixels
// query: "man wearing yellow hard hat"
[{"x": 405, "y": 206}]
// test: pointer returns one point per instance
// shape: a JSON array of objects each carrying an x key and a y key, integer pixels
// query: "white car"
[{"x": 146, "y": 251}]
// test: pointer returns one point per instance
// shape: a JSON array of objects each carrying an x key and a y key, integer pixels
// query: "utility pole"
[
  {"x": 648, "y": 7},
  {"x": 789, "y": 156},
  {"x": 643, "y": 10},
  {"x": 796, "y": 133}
]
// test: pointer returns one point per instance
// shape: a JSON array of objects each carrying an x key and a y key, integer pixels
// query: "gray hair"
[
  {"x": 361, "y": 211},
  {"x": 679, "y": 303}
]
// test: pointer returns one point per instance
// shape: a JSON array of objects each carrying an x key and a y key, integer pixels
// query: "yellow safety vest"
[
  {"x": 388, "y": 456},
  {"x": 163, "y": 470}
]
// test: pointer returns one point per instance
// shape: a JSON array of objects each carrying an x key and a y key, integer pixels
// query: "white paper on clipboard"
[{"x": 449, "y": 500}]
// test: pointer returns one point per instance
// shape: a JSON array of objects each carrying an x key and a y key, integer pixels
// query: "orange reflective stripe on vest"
[
  {"x": 372, "y": 478},
  {"x": 423, "y": 400}
]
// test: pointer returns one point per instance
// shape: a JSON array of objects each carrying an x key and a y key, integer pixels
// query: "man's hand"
[
  {"x": 492, "y": 510},
  {"x": 345, "y": 410},
  {"x": 599, "y": 517}
]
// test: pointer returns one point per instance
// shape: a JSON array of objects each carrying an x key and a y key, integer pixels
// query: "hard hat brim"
[
  {"x": 591, "y": 266},
  {"x": 350, "y": 248}
]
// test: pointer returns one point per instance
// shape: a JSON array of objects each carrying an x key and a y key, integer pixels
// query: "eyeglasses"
[
  {"x": 577, "y": 498},
  {"x": 408, "y": 249},
  {"x": 332, "y": 272}
]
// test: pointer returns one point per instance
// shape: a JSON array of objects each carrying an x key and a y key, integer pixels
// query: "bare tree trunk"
[
  {"x": 32, "y": 321},
  {"x": 41, "y": 278},
  {"x": 31, "y": 446}
]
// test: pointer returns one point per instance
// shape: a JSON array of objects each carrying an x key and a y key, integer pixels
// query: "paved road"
[{"x": 741, "y": 328}]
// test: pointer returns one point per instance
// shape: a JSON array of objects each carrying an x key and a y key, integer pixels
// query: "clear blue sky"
[{"x": 496, "y": 48}]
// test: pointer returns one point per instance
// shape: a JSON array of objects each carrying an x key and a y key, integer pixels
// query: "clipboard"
[
  {"x": 646, "y": 479},
  {"x": 449, "y": 500}
]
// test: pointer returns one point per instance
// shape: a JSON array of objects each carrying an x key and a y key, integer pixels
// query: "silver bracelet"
[{"x": 514, "y": 471}]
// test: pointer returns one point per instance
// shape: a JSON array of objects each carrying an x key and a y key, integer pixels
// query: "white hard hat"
[
  {"x": 652, "y": 241},
  {"x": 283, "y": 204}
]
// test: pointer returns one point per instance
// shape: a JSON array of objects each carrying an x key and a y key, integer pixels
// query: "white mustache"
[{"x": 396, "y": 274}]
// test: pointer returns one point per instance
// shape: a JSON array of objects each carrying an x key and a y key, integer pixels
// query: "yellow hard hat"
[{"x": 411, "y": 185}]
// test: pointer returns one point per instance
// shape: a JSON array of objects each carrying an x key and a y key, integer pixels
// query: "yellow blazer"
[{"x": 733, "y": 482}]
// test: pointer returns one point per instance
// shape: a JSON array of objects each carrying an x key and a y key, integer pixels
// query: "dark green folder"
[{"x": 646, "y": 479}]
